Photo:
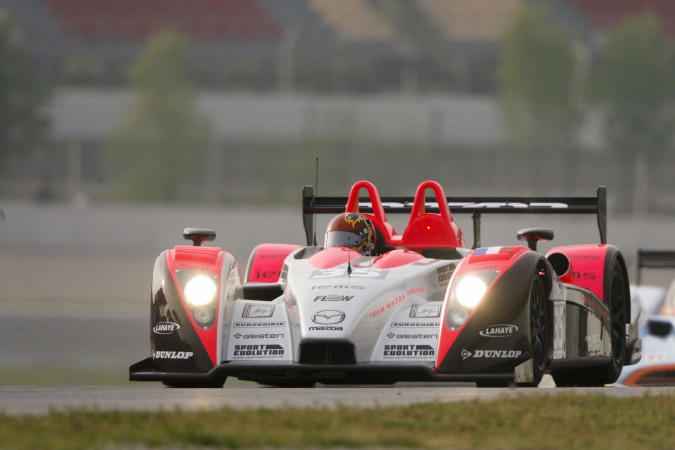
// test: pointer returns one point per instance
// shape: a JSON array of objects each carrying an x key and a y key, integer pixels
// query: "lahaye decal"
[
  {"x": 165, "y": 327},
  {"x": 503, "y": 330}
]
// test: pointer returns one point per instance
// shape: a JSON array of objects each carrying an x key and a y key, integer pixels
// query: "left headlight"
[
  {"x": 200, "y": 290},
  {"x": 470, "y": 290},
  {"x": 465, "y": 294}
]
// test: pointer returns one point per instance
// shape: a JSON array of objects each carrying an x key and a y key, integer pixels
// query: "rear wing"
[
  {"x": 476, "y": 206},
  {"x": 654, "y": 259}
]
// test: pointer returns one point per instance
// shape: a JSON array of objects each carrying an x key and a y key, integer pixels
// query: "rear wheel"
[{"x": 617, "y": 298}]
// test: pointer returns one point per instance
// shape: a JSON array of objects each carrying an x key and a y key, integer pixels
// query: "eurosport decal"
[
  {"x": 165, "y": 328},
  {"x": 494, "y": 354},
  {"x": 369, "y": 273},
  {"x": 501, "y": 330},
  {"x": 257, "y": 311},
  {"x": 424, "y": 311}
]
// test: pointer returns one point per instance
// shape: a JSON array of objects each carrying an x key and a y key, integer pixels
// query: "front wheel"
[
  {"x": 203, "y": 384},
  {"x": 538, "y": 331}
]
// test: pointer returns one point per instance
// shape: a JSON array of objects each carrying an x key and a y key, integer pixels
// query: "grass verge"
[{"x": 560, "y": 421}]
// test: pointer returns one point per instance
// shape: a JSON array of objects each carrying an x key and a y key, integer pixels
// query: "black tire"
[
  {"x": 289, "y": 383},
  {"x": 539, "y": 331},
  {"x": 219, "y": 383},
  {"x": 618, "y": 298}
]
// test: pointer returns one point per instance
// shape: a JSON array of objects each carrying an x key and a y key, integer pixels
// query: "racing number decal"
[{"x": 370, "y": 273}]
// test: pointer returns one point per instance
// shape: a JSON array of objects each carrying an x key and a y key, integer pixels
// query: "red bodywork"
[{"x": 207, "y": 260}]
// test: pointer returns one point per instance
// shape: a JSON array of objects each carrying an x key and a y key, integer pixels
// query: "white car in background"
[{"x": 657, "y": 326}]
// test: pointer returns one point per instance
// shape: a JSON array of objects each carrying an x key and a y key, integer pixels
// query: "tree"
[
  {"x": 537, "y": 89},
  {"x": 161, "y": 150},
  {"x": 635, "y": 87},
  {"x": 24, "y": 122}
]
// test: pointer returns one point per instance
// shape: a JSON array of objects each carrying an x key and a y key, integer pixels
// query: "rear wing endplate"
[
  {"x": 476, "y": 206},
  {"x": 654, "y": 259}
]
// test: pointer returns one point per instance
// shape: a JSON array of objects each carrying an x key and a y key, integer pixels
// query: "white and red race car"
[{"x": 416, "y": 306}]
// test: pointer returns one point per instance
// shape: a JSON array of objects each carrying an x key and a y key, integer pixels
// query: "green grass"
[{"x": 560, "y": 421}]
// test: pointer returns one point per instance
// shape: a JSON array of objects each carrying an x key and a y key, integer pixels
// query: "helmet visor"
[{"x": 344, "y": 239}]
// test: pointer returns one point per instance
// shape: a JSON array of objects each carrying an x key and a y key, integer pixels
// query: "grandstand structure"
[
  {"x": 263, "y": 45},
  {"x": 443, "y": 54},
  {"x": 326, "y": 46}
]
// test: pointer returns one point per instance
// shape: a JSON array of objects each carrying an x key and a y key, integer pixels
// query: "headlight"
[
  {"x": 200, "y": 290},
  {"x": 470, "y": 291}
]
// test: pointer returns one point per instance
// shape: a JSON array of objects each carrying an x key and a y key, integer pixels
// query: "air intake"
[{"x": 333, "y": 353}]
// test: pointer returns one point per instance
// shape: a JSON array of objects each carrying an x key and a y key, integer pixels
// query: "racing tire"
[
  {"x": 539, "y": 336},
  {"x": 219, "y": 383},
  {"x": 618, "y": 299},
  {"x": 288, "y": 383},
  {"x": 539, "y": 331}
]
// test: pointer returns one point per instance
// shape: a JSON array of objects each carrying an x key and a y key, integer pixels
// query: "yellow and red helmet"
[{"x": 350, "y": 230}]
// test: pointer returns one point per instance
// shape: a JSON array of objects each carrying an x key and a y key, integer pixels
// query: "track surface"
[{"x": 42, "y": 400}]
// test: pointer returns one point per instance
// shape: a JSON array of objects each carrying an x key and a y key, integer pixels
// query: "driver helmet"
[{"x": 350, "y": 230}]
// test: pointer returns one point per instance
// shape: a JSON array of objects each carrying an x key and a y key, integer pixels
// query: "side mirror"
[
  {"x": 199, "y": 235},
  {"x": 534, "y": 235}
]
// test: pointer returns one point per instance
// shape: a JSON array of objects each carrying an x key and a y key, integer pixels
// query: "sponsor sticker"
[
  {"x": 160, "y": 354},
  {"x": 328, "y": 317},
  {"x": 260, "y": 336},
  {"x": 165, "y": 328},
  {"x": 423, "y": 311},
  {"x": 408, "y": 352},
  {"x": 257, "y": 310},
  {"x": 253, "y": 351},
  {"x": 412, "y": 336},
  {"x": 369, "y": 273},
  {"x": 333, "y": 298},
  {"x": 414, "y": 324},
  {"x": 495, "y": 354},
  {"x": 259, "y": 324},
  {"x": 501, "y": 330}
]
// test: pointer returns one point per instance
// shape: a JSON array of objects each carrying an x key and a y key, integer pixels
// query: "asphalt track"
[{"x": 42, "y": 400}]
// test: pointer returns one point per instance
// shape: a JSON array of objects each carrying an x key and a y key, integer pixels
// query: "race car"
[
  {"x": 372, "y": 306},
  {"x": 656, "y": 328}
]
